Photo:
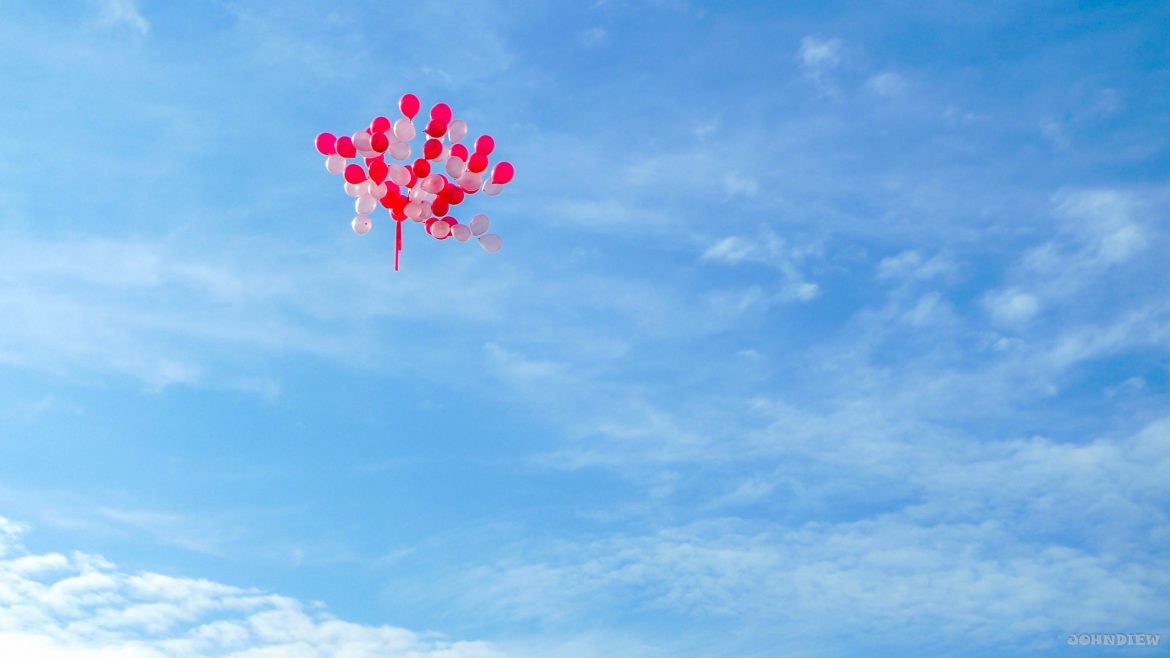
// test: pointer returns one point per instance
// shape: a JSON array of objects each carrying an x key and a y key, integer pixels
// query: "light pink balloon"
[
  {"x": 361, "y": 224},
  {"x": 440, "y": 230},
  {"x": 470, "y": 181},
  {"x": 479, "y": 224},
  {"x": 365, "y": 205},
  {"x": 398, "y": 174},
  {"x": 378, "y": 191},
  {"x": 361, "y": 142},
  {"x": 455, "y": 166},
  {"x": 413, "y": 210},
  {"x": 491, "y": 243},
  {"x": 404, "y": 130},
  {"x": 335, "y": 164},
  {"x": 352, "y": 190},
  {"x": 492, "y": 189},
  {"x": 434, "y": 183},
  {"x": 400, "y": 151},
  {"x": 461, "y": 233},
  {"x": 457, "y": 130}
]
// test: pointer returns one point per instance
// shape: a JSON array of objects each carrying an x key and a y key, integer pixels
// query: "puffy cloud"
[{"x": 81, "y": 606}]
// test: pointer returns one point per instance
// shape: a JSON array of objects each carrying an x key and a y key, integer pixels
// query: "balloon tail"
[{"x": 397, "y": 243}]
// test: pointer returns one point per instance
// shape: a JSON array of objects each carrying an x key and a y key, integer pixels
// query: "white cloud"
[
  {"x": 911, "y": 265},
  {"x": 886, "y": 83},
  {"x": 818, "y": 55},
  {"x": 1011, "y": 307},
  {"x": 81, "y": 606},
  {"x": 123, "y": 12}
]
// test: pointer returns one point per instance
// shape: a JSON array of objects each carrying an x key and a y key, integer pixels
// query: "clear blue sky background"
[{"x": 819, "y": 330}]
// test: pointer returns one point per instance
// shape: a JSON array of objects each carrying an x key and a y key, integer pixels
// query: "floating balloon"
[
  {"x": 477, "y": 163},
  {"x": 422, "y": 189},
  {"x": 409, "y": 105},
  {"x": 456, "y": 131},
  {"x": 491, "y": 242},
  {"x": 502, "y": 173},
  {"x": 345, "y": 147},
  {"x": 327, "y": 143}
]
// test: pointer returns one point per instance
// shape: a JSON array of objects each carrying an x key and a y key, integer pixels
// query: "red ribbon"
[{"x": 397, "y": 242}]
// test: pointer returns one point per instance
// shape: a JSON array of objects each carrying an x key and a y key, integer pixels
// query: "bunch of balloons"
[{"x": 417, "y": 190}]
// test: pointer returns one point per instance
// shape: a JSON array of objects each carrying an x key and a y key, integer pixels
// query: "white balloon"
[
  {"x": 361, "y": 224},
  {"x": 404, "y": 129},
  {"x": 440, "y": 229},
  {"x": 335, "y": 164},
  {"x": 426, "y": 209},
  {"x": 361, "y": 141},
  {"x": 445, "y": 154},
  {"x": 364, "y": 188},
  {"x": 379, "y": 191},
  {"x": 434, "y": 183},
  {"x": 413, "y": 210},
  {"x": 456, "y": 130},
  {"x": 455, "y": 166},
  {"x": 492, "y": 189},
  {"x": 400, "y": 151},
  {"x": 470, "y": 181},
  {"x": 415, "y": 194},
  {"x": 479, "y": 224},
  {"x": 352, "y": 190},
  {"x": 399, "y": 175},
  {"x": 461, "y": 233},
  {"x": 369, "y": 154},
  {"x": 365, "y": 204},
  {"x": 491, "y": 243}
]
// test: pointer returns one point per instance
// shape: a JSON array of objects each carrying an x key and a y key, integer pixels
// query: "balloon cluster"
[{"x": 415, "y": 190}]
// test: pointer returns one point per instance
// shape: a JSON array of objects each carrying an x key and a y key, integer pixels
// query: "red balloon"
[
  {"x": 436, "y": 128},
  {"x": 380, "y": 125},
  {"x": 355, "y": 174},
  {"x": 379, "y": 142},
  {"x": 454, "y": 194},
  {"x": 502, "y": 172},
  {"x": 485, "y": 144},
  {"x": 378, "y": 170},
  {"x": 398, "y": 215},
  {"x": 408, "y": 105},
  {"x": 477, "y": 163},
  {"x": 459, "y": 151},
  {"x": 326, "y": 144},
  {"x": 441, "y": 112},
  {"x": 432, "y": 149},
  {"x": 451, "y": 221},
  {"x": 373, "y": 159},
  {"x": 422, "y": 168},
  {"x": 345, "y": 147},
  {"x": 440, "y": 206},
  {"x": 413, "y": 177}
]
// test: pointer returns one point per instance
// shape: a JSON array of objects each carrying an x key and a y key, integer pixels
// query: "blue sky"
[{"x": 819, "y": 330}]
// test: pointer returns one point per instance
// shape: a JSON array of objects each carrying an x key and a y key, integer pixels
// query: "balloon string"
[{"x": 397, "y": 242}]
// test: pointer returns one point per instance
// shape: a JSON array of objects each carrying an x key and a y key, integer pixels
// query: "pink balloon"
[
  {"x": 345, "y": 147},
  {"x": 355, "y": 174},
  {"x": 485, "y": 144},
  {"x": 502, "y": 173},
  {"x": 477, "y": 163},
  {"x": 326, "y": 144},
  {"x": 378, "y": 171},
  {"x": 409, "y": 105},
  {"x": 380, "y": 125},
  {"x": 441, "y": 112},
  {"x": 436, "y": 128}
]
